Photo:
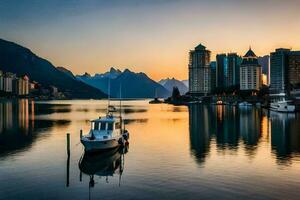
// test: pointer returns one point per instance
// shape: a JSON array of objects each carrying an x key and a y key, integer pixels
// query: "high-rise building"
[
  {"x": 213, "y": 67},
  {"x": 294, "y": 70},
  {"x": 199, "y": 71},
  {"x": 250, "y": 72},
  {"x": 278, "y": 71},
  {"x": 233, "y": 70},
  {"x": 221, "y": 70},
  {"x": 228, "y": 70}
]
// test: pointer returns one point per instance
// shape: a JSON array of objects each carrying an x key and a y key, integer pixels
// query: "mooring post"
[
  {"x": 68, "y": 144},
  {"x": 80, "y": 133}
]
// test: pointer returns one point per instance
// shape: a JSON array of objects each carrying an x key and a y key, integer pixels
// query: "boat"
[
  {"x": 155, "y": 101},
  {"x": 283, "y": 105},
  {"x": 106, "y": 132},
  {"x": 245, "y": 104}
]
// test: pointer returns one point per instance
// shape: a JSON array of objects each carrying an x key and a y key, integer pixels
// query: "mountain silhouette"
[
  {"x": 133, "y": 85},
  {"x": 169, "y": 84},
  {"x": 20, "y": 60}
]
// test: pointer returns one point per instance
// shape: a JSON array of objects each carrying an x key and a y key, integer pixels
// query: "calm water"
[{"x": 200, "y": 152}]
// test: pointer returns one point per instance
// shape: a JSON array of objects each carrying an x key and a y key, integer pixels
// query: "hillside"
[{"x": 20, "y": 60}]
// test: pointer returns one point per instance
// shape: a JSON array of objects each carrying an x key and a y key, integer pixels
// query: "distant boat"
[
  {"x": 283, "y": 105},
  {"x": 155, "y": 101}
]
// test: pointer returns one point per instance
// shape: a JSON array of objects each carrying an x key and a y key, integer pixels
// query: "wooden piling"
[{"x": 68, "y": 144}]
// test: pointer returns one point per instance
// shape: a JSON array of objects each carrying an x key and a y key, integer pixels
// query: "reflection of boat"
[
  {"x": 283, "y": 106},
  {"x": 105, "y": 164},
  {"x": 101, "y": 164}
]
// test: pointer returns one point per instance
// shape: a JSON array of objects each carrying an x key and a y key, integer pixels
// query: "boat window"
[
  {"x": 103, "y": 126},
  {"x": 92, "y": 125},
  {"x": 110, "y": 126},
  {"x": 96, "y": 126}
]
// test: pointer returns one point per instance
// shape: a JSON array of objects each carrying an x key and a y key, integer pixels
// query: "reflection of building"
[
  {"x": 1, "y": 81},
  {"x": 227, "y": 126},
  {"x": 285, "y": 139},
  {"x": 250, "y": 126},
  {"x": 250, "y": 72},
  {"x": 199, "y": 71},
  {"x": 200, "y": 129}
]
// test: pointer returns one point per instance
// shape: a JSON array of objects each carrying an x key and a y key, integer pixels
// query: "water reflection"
[
  {"x": 231, "y": 128},
  {"x": 19, "y": 126},
  {"x": 285, "y": 138},
  {"x": 200, "y": 131},
  {"x": 102, "y": 165}
]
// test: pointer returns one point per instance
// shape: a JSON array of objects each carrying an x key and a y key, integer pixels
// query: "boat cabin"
[{"x": 105, "y": 125}]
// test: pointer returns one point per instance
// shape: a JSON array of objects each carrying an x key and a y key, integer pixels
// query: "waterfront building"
[
  {"x": 232, "y": 73},
  {"x": 228, "y": 70},
  {"x": 8, "y": 82},
  {"x": 278, "y": 71},
  {"x": 284, "y": 71},
  {"x": 1, "y": 81},
  {"x": 22, "y": 86},
  {"x": 213, "y": 68},
  {"x": 250, "y": 72},
  {"x": 294, "y": 70},
  {"x": 199, "y": 71},
  {"x": 221, "y": 70}
]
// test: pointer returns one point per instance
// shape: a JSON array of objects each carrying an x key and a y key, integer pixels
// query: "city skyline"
[{"x": 93, "y": 36}]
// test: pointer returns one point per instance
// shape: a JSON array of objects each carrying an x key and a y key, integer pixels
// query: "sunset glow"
[{"x": 149, "y": 36}]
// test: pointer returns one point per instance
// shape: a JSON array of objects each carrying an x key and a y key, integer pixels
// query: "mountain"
[
  {"x": 169, "y": 84},
  {"x": 20, "y": 60},
  {"x": 186, "y": 83},
  {"x": 134, "y": 85},
  {"x": 66, "y": 71}
]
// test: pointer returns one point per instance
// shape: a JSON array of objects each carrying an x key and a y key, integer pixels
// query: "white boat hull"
[{"x": 99, "y": 145}]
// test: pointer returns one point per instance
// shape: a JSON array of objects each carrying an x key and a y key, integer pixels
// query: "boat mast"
[
  {"x": 108, "y": 103},
  {"x": 120, "y": 107}
]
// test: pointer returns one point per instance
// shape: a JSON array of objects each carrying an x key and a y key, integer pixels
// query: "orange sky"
[{"x": 149, "y": 36}]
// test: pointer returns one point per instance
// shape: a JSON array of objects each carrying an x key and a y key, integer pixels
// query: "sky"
[{"x": 151, "y": 36}]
